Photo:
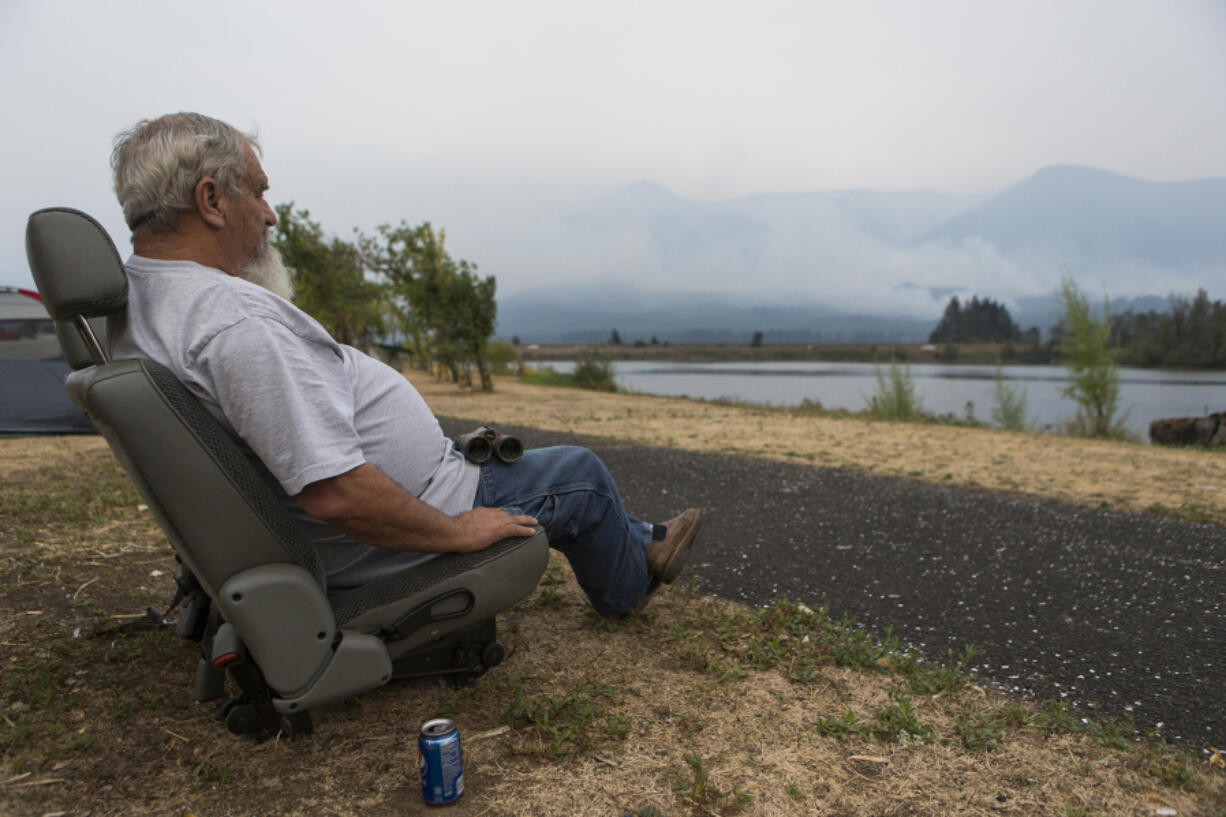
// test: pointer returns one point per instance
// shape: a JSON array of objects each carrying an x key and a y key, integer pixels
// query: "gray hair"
[{"x": 158, "y": 162}]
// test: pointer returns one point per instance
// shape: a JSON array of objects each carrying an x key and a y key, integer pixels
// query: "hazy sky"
[{"x": 475, "y": 112}]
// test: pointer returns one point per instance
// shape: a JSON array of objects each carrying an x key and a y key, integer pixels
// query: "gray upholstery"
[
  {"x": 218, "y": 508},
  {"x": 502, "y": 573},
  {"x": 75, "y": 265},
  {"x": 227, "y": 517}
]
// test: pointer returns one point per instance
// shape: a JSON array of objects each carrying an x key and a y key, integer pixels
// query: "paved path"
[{"x": 1124, "y": 611}]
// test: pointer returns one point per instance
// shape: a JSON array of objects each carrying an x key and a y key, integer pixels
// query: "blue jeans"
[{"x": 572, "y": 495}]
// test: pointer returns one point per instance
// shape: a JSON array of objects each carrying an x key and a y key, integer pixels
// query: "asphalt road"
[{"x": 1126, "y": 612}]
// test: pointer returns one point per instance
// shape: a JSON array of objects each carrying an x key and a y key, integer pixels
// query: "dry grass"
[{"x": 698, "y": 707}]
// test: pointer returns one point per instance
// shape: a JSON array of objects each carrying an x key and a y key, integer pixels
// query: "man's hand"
[
  {"x": 368, "y": 506},
  {"x": 482, "y": 527}
]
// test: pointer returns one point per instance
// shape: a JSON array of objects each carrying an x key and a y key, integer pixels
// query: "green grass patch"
[
  {"x": 97, "y": 491},
  {"x": 1189, "y": 512},
  {"x": 694, "y": 783},
  {"x": 573, "y": 720},
  {"x": 800, "y": 642}
]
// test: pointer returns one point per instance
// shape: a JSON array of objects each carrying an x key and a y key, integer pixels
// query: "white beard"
[{"x": 264, "y": 268}]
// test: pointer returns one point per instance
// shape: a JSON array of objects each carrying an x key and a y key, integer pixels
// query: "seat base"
[
  {"x": 246, "y": 715},
  {"x": 461, "y": 657}
]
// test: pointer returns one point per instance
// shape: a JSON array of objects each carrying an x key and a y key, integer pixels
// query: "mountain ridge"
[{"x": 839, "y": 264}]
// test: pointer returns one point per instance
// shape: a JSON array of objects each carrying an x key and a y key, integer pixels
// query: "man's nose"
[{"x": 270, "y": 215}]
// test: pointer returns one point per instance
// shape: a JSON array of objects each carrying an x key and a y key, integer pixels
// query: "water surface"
[{"x": 1146, "y": 394}]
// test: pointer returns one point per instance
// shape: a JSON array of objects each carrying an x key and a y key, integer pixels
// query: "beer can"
[{"x": 442, "y": 767}]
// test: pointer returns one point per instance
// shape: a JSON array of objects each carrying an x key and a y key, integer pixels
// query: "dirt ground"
[
  {"x": 1117, "y": 475},
  {"x": 698, "y": 707}
]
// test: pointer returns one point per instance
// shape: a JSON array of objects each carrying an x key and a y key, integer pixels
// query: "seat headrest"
[{"x": 75, "y": 264}]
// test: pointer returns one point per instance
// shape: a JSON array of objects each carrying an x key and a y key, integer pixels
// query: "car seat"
[{"x": 253, "y": 588}]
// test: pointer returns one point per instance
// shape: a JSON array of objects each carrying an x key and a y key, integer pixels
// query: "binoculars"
[{"x": 479, "y": 445}]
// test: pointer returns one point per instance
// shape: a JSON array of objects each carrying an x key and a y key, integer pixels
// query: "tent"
[{"x": 32, "y": 370}]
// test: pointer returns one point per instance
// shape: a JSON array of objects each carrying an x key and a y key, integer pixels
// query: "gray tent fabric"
[
  {"x": 33, "y": 400},
  {"x": 32, "y": 371}
]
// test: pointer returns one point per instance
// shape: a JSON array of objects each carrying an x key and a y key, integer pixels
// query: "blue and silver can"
[{"x": 442, "y": 767}]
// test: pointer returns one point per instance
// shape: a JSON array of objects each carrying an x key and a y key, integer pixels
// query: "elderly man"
[{"x": 372, "y": 478}]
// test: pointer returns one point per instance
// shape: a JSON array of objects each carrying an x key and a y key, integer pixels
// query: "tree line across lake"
[{"x": 1190, "y": 334}]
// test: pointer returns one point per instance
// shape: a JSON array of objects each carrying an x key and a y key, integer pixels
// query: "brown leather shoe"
[{"x": 666, "y": 556}]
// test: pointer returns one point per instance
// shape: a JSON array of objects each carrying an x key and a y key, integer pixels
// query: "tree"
[
  {"x": 757, "y": 339},
  {"x": 977, "y": 322},
  {"x": 442, "y": 304},
  {"x": 1095, "y": 381},
  {"x": 330, "y": 282},
  {"x": 1192, "y": 333},
  {"x": 456, "y": 306},
  {"x": 392, "y": 252},
  {"x": 615, "y": 339}
]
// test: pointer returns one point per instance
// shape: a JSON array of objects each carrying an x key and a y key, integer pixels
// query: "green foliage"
[
  {"x": 570, "y": 722},
  {"x": 978, "y": 322},
  {"x": 1095, "y": 380},
  {"x": 594, "y": 372},
  {"x": 549, "y": 596},
  {"x": 1176, "y": 773},
  {"x": 402, "y": 278},
  {"x": 896, "y": 722},
  {"x": 441, "y": 304},
  {"x": 1058, "y": 718},
  {"x": 895, "y": 398},
  {"x": 698, "y": 788},
  {"x": 1191, "y": 334},
  {"x": 546, "y": 376},
  {"x": 979, "y": 733},
  {"x": 330, "y": 282},
  {"x": 1008, "y": 403},
  {"x": 503, "y": 357},
  {"x": 798, "y": 641},
  {"x": 847, "y": 726}
]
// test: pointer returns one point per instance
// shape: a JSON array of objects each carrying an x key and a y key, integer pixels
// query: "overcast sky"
[{"x": 374, "y": 112}]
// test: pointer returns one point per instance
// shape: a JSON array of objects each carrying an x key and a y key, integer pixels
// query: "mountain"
[
  {"x": 673, "y": 236},
  {"x": 590, "y": 313},
  {"x": 1090, "y": 219},
  {"x": 846, "y": 264},
  {"x": 893, "y": 217}
]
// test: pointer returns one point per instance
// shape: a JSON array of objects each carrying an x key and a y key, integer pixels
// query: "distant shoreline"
[
  {"x": 1186, "y": 483},
  {"x": 973, "y": 354}
]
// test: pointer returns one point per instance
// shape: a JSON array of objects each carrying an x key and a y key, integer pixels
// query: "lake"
[{"x": 1149, "y": 394}]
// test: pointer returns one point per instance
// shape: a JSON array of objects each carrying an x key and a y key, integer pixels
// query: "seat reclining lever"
[{"x": 424, "y": 614}]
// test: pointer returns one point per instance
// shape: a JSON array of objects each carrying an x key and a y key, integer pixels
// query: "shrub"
[
  {"x": 1095, "y": 380},
  {"x": 1008, "y": 404},
  {"x": 895, "y": 398},
  {"x": 594, "y": 372},
  {"x": 503, "y": 357}
]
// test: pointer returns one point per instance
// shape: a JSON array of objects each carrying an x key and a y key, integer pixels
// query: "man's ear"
[{"x": 209, "y": 202}]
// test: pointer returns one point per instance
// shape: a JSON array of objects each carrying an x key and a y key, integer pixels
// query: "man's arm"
[{"x": 368, "y": 506}]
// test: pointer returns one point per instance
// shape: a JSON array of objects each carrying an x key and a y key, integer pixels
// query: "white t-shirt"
[{"x": 309, "y": 407}]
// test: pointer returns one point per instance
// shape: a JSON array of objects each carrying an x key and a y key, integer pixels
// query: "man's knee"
[{"x": 580, "y": 460}]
